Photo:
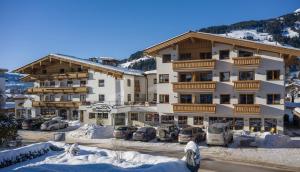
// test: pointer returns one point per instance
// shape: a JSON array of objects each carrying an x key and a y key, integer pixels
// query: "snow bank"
[
  {"x": 92, "y": 131},
  {"x": 90, "y": 159}
]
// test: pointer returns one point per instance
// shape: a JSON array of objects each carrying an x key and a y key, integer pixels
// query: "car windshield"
[
  {"x": 186, "y": 132},
  {"x": 121, "y": 128},
  {"x": 215, "y": 130},
  {"x": 142, "y": 130}
]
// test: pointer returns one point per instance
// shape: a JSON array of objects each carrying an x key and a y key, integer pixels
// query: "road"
[{"x": 208, "y": 162}]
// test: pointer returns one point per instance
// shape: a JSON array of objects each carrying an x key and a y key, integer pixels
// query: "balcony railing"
[
  {"x": 60, "y": 104},
  {"x": 73, "y": 75},
  {"x": 194, "y": 86},
  {"x": 193, "y": 64},
  {"x": 185, "y": 107},
  {"x": 247, "y": 61},
  {"x": 247, "y": 109},
  {"x": 247, "y": 85},
  {"x": 57, "y": 90}
]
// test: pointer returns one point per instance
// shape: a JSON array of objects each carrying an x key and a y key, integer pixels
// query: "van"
[{"x": 219, "y": 134}]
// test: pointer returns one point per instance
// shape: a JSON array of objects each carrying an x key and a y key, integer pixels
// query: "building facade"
[
  {"x": 78, "y": 89},
  {"x": 2, "y": 90},
  {"x": 205, "y": 78}
]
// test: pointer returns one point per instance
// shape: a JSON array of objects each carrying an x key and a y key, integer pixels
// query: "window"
[
  {"x": 273, "y": 99},
  {"x": 273, "y": 75},
  {"x": 205, "y": 76},
  {"x": 52, "y": 98},
  {"x": 101, "y": 83},
  {"x": 206, "y": 55},
  {"x": 82, "y": 83},
  {"x": 224, "y": 76},
  {"x": 101, "y": 98},
  {"x": 52, "y": 83},
  {"x": 225, "y": 99},
  {"x": 91, "y": 115},
  {"x": 186, "y": 77},
  {"x": 148, "y": 117},
  {"x": 128, "y": 82},
  {"x": 129, "y": 97},
  {"x": 154, "y": 81},
  {"x": 182, "y": 120},
  {"x": 42, "y": 83},
  {"x": 245, "y": 53},
  {"x": 134, "y": 116},
  {"x": 205, "y": 98},
  {"x": 69, "y": 83},
  {"x": 185, "y": 98},
  {"x": 82, "y": 97},
  {"x": 246, "y": 99},
  {"x": 185, "y": 56},
  {"x": 163, "y": 98},
  {"x": 69, "y": 97},
  {"x": 154, "y": 97},
  {"x": 166, "y": 58},
  {"x": 223, "y": 54},
  {"x": 167, "y": 119},
  {"x": 79, "y": 69},
  {"x": 62, "y": 71},
  {"x": 102, "y": 115},
  {"x": 163, "y": 78},
  {"x": 246, "y": 75},
  {"x": 198, "y": 120},
  {"x": 44, "y": 71}
]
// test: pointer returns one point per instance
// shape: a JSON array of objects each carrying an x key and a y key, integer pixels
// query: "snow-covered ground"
[
  {"x": 130, "y": 63},
  {"x": 82, "y": 158},
  {"x": 288, "y": 32}
]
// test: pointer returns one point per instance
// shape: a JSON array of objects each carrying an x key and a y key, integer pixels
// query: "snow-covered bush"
[{"x": 8, "y": 129}]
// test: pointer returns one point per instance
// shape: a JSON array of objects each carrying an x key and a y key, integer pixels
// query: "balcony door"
[
  {"x": 246, "y": 99},
  {"x": 246, "y": 75}
]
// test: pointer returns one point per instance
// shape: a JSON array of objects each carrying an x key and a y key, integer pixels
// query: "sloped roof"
[
  {"x": 83, "y": 62},
  {"x": 223, "y": 39}
]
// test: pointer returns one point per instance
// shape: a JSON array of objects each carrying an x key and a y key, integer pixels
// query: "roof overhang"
[{"x": 153, "y": 50}]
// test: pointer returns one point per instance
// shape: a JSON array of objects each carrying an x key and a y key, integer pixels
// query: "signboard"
[{"x": 101, "y": 107}]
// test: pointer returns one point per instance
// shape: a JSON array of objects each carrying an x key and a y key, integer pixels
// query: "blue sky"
[{"x": 31, "y": 29}]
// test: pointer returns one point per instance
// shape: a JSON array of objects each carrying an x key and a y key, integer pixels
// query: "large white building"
[
  {"x": 205, "y": 78},
  {"x": 74, "y": 88}
]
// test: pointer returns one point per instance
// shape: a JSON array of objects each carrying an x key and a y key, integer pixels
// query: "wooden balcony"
[
  {"x": 75, "y": 75},
  {"x": 248, "y": 85},
  {"x": 190, "y": 65},
  {"x": 57, "y": 90},
  {"x": 205, "y": 108},
  {"x": 253, "y": 61},
  {"x": 194, "y": 86},
  {"x": 247, "y": 109},
  {"x": 59, "y": 104}
]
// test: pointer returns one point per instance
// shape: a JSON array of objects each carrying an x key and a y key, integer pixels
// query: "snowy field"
[{"x": 82, "y": 158}]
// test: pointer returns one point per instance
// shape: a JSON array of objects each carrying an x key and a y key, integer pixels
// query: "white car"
[
  {"x": 54, "y": 125},
  {"x": 219, "y": 134}
]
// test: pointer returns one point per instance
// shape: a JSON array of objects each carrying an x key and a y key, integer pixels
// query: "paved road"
[{"x": 208, "y": 162}]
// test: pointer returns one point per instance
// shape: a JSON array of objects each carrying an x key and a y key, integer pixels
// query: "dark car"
[
  {"x": 167, "y": 132},
  {"x": 124, "y": 132},
  {"x": 191, "y": 134},
  {"x": 144, "y": 134},
  {"x": 32, "y": 124}
]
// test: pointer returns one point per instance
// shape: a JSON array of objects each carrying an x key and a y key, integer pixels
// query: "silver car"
[
  {"x": 54, "y": 125},
  {"x": 219, "y": 134}
]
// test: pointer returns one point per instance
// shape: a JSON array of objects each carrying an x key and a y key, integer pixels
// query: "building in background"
[
  {"x": 205, "y": 78},
  {"x": 2, "y": 90}
]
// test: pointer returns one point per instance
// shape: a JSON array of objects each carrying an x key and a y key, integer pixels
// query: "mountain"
[{"x": 282, "y": 30}]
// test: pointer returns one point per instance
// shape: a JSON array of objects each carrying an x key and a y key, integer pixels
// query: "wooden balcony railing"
[
  {"x": 193, "y": 64},
  {"x": 247, "y": 61},
  {"x": 73, "y": 75},
  {"x": 61, "y": 104},
  {"x": 247, "y": 109},
  {"x": 57, "y": 90},
  {"x": 194, "y": 86},
  {"x": 253, "y": 85},
  {"x": 184, "y": 107}
]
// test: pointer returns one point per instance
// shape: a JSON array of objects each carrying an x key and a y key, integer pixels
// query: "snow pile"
[
  {"x": 288, "y": 32},
  {"x": 132, "y": 62},
  {"x": 92, "y": 131},
  {"x": 252, "y": 34},
  {"x": 90, "y": 159}
]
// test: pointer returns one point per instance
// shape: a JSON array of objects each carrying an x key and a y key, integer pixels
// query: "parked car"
[
  {"x": 144, "y": 134},
  {"x": 32, "y": 123},
  {"x": 124, "y": 132},
  {"x": 219, "y": 134},
  {"x": 167, "y": 132},
  {"x": 195, "y": 134},
  {"x": 54, "y": 125}
]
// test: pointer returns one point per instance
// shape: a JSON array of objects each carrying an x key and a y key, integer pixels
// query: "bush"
[{"x": 8, "y": 129}]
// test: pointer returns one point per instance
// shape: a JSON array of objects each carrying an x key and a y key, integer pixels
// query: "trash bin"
[{"x": 59, "y": 136}]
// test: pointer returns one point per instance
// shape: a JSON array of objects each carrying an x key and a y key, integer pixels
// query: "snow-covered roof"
[{"x": 150, "y": 72}]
